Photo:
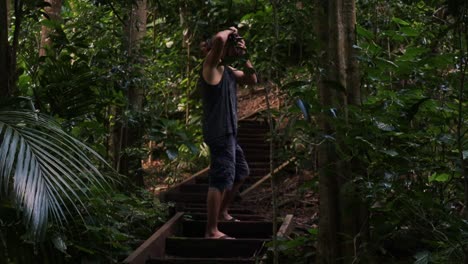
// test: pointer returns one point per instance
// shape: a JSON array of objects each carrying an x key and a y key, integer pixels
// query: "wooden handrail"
[{"x": 266, "y": 177}]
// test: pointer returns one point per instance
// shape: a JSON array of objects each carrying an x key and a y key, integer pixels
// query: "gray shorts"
[{"x": 228, "y": 164}]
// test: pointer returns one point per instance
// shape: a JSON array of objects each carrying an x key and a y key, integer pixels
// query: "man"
[{"x": 218, "y": 81}]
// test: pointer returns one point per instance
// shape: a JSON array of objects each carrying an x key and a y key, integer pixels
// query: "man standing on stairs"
[{"x": 218, "y": 83}]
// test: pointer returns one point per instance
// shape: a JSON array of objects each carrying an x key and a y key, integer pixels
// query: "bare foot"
[
  {"x": 227, "y": 217},
  {"x": 216, "y": 235}
]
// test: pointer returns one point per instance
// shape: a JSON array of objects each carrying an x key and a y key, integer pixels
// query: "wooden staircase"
[{"x": 181, "y": 239}]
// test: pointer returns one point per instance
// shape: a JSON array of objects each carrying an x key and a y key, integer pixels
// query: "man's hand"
[{"x": 241, "y": 48}]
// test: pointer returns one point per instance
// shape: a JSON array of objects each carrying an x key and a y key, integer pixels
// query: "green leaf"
[
  {"x": 411, "y": 53},
  {"x": 465, "y": 154},
  {"x": 422, "y": 257},
  {"x": 410, "y": 32},
  {"x": 172, "y": 153},
  {"x": 441, "y": 60},
  {"x": 43, "y": 168},
  {"x": 313, "y": 231},
  {"x": 304, "y": 108},
  {"x": 388, "y": 62},
  {"x": 364, "y": 32},
  {"x": 390, "y": 152},
  {"x": 442, "y": 177},
  {"x": 384, "y": 126},
  {"x": 400, "y": 21},
  {"x": 59, "y": 244}
]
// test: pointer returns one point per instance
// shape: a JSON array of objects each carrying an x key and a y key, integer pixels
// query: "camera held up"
[{"x": 234, "y": 39}]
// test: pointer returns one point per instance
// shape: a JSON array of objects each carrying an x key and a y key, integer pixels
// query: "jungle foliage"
[{"x": 410, "y": 133}]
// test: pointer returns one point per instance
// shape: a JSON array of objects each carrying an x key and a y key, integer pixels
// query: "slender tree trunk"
[
  {"x": 340, "y": 207},
  {"x": 358, "y": 214},
  {"x": 186, "y": 43},
  {"x": 54, "y": 13},
  {"x": 127, "y": 135},
  {"x": 329, "y": 172},
  {"x": 13, "y": 46},
  {"x": 5, "y": 90}
]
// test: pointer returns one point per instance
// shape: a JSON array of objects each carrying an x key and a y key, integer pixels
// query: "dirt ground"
[{"x": 293, "y": 198}]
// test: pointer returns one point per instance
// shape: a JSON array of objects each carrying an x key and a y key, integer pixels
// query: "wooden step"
[
  {"x": 252, "y": 127},
  {"x": 242, "y": 217},
  {"x": 242, "y": 229},
  {"x": 188, "y": 209},
  {"x": 202, "y": 188},
  {"x": 186, "y": 197},
  {"x": 253, "y": 124},
  {"x": 259, "y": 165},
  {"x": 245, "y": 141},
  {"x": 175, "y": 196},
  {"x": 251, "y": 179},
  {"x": 179, "y": 260},
  {"x": 261, "y": 136},
  {"x": 194, "y": 188},
  {"x": 259, "y": 171},
  {"x": 213, "y": 248}
]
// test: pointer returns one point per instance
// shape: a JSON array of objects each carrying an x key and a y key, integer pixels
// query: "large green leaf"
[{"x": 43, "y": 168}]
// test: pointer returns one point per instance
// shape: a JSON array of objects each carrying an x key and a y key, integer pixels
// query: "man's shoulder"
[{"x": 212, "y": 76}]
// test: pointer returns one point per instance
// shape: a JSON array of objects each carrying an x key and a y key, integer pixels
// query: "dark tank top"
[{"x": 219, "y": 106}]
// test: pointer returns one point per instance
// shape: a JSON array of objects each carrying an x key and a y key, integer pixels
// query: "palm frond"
[{"x": 44, "y": 169}]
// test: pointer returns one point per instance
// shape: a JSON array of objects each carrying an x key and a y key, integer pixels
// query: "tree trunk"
[
  {"x": 125, "y": 135},
  {"x": 340, "y": 206},
  {"x": 54, "y": 13},
  {"x": 5, "y": 90}
]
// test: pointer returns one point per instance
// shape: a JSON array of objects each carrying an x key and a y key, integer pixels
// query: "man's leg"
[
  {"x": 242, "y": 171},
  {"x": 213, "y": 203},
  {"x": 221, "y": 177},
  {"x": 228, "y": 197}
]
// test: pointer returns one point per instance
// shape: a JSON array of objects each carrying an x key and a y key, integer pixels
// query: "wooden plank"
[
  {"x": 213, "y": 248},
  {"x": 242, "y": 229},
  {"x": 182, "y": 197},
  {"x": 242, "y": 217},
  {"x": 258, "y": 183},
  {"x": 174, "y": 260},
  {"x": 202, "y": 209},
  {"x": 250, "y": 179},
  {"x": 287, "y": 226},
  {"x": 198, "y": 188},
  {"x": 155, "y": 245}
]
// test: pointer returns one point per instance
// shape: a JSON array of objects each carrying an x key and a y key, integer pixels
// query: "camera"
[{"x": 233, "y": 40}]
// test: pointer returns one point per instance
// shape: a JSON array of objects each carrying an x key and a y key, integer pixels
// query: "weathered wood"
[
  {"x": 155, "y": 245},
  {"x": 192, "y": 187},
  {"x": 253, "y": 124},
  {"x": 242, "y": 229},
  {"x": 213, "y": 248},
  {"x": 250, "y": 179},
  {"x": 174, "y": 260},
  {"x": 259, "y": 171},
  {"x": 176, "y": 196},
  {"x": 242, "y": 217},
  {"x": 202, "y": 209},
  {"x": 287, "y": 226},
  {"x": 261, "y": 181}
]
